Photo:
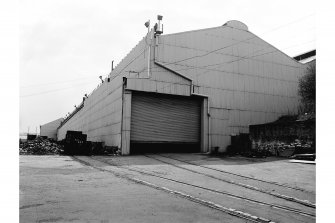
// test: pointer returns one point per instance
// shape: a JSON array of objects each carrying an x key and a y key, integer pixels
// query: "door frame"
[{"x": 126, "y": 122}]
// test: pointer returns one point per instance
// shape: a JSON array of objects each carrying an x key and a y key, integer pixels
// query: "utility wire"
[
  {"x": 55, "y": 90},
  {"x": 223, "y": 63},
  {"x": 241, "y": 58},
  {"x": 175, "y": 62},
  {"x": 255, "y": 36},
  {"x": 185, "y": 47},
  {"x": 143, "y": 51},
  {"x": 290, "y": 23},
  {"x": 212, "y": 69},
  {"x": 198, "y": 49},
  {"x": 58, "y": 82},
  {"x": 252, "y": 56}
]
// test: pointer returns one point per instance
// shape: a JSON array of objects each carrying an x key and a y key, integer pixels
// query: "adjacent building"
[
  {"x": 50, "y": 129},
  {"x": 192, "y": 89},
  {"x": 307, "y": 57}
]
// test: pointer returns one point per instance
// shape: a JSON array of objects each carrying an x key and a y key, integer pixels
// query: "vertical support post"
[
  {"x": 126, "y": 118},
  {"x": 204, "y": 146}
]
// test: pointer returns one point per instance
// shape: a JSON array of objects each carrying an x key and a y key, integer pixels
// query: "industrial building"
[
  {"x": 306, "y": 57},
  {"x": 50, "y": 129},
  {"x": 192, "y": 89}
]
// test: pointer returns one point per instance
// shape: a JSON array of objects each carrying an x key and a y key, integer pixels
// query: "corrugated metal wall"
[
  {"x": 160, "y": 81},
  {"x": 248, "y": 81},
  {"x": 100, "y": 118},
  {"x": 50, "y": 129}
]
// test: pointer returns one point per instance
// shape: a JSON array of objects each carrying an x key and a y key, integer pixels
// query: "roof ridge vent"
[{"x": 236, "y": 24}]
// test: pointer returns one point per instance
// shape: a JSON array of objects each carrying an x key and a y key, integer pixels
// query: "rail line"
[
  {"x": 281, "y": 207},
  {"x": 206, "y": 203},
  {"x": 239, "y": 175},
  {"x": 285, "y": 197}
]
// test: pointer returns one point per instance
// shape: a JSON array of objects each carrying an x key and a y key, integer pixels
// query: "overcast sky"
[{"x": 65, "y": 45}]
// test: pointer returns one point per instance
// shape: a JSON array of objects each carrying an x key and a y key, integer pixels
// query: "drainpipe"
[
  {"x": 171, "y": 70},
  {"x": 149, "y": 54},
  {"x": 149, "y": 57},
  {"x": 209, "y": 127},
  {"x": 124, "y": 81},
  {"x": 209, "y": 130}
]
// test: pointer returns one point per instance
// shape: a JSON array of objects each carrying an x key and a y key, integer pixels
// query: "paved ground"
[{"x": 165, "y": 188}]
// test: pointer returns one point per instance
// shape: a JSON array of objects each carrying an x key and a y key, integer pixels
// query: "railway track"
[
  {"x": 281, "y": 196},
  {"x": 230, "y": 211},
  {"x": 239, "y": 175},
  {"x": 225, "y": 193}
]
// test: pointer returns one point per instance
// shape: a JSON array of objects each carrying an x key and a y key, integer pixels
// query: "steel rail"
[
  {"x": 285, "y": 208},
  {"x": 252, "y": 178},
  {"x": 285, "y": 197},
  {"x": 209, "y": 204}
]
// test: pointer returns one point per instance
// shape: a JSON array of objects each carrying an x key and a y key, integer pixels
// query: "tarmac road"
[{"x": 165, "y": 188}]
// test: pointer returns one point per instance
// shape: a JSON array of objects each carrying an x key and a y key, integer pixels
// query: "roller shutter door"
[{"x": 158, "y": 118}]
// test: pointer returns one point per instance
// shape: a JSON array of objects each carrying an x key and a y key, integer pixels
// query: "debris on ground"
[
  {"x": 309, "y": 157},
  {"x": 285, "y": 137},
  {"x": 260, "y": 148},
  {"x": 282, "y": 148},
  {"x": 40, "y": 146},
  {"x": 72, "y": 146},
  {"x": 75, "y": 143}
]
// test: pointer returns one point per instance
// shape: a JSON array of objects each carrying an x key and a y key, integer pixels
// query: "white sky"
[{"x": 65, "y": 45}]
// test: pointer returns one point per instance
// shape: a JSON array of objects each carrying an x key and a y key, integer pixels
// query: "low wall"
[{"x": 284, "y": 137}]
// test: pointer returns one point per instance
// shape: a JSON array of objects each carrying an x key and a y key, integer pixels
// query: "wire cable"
[
  {"x": 212, "y": 69},
  {"x": 55, "y": 90},
  {"x": 58, "y": 82},
  {"x": 213, "y": 36},
  {"x": 255, "y": 36},
  {"x": 143, "y": 51},
  {"x": 190, "y": 67}
]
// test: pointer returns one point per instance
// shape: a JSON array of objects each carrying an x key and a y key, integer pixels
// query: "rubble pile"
[
  {"x": 40, "y": 146},
  {"x": 282, "y": 148},
  {"x": 287, "y": 136}
]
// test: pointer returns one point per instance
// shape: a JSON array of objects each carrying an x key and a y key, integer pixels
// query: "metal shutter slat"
[{"x": 164, "y": 118}]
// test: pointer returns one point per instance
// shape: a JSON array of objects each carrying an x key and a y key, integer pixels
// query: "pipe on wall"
[
  {"x": 149, "y": 52},
  {"x": 149, "y": 57},
  {"x": 124, "y": 83}
]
